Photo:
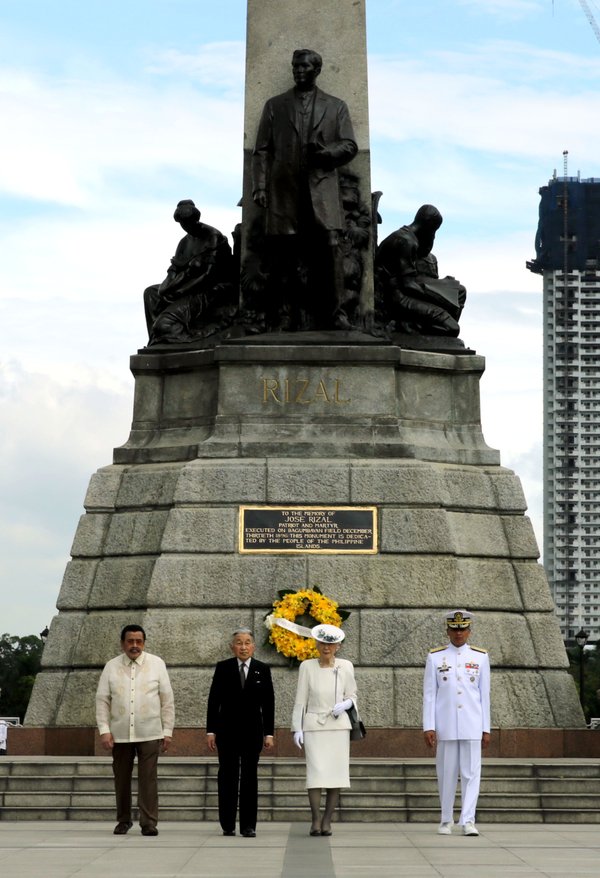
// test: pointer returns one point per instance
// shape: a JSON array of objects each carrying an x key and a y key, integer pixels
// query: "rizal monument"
[{"x": 306, "y": 416}]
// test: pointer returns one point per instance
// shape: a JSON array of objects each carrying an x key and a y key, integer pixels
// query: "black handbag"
[{"x": 357, "y": 727}]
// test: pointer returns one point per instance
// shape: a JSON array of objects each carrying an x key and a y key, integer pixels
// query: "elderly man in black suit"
[
  {"x": 239, "y": 723},
  {"x": 304, "y": 136}
]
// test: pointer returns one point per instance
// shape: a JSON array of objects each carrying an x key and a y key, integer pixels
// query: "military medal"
[{"x": 443, "y": 669}]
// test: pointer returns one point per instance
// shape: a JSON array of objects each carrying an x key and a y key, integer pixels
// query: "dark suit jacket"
[
  {"x": 241, "y": 716},
  {"x": 278, "y": 155}
]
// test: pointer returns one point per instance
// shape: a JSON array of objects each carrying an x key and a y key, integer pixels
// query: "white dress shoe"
[
  {"x": 445, "y": 829},
  {"x": 470, "y": 829}
]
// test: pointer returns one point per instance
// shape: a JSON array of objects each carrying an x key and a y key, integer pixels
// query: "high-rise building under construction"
[{"x": 568, "y": 257}]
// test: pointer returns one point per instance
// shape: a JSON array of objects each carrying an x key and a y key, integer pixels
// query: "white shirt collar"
[{"x": 138, "y": 661}]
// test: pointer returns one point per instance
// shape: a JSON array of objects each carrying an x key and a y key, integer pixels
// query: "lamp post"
[{"x": 581, "y": 639}]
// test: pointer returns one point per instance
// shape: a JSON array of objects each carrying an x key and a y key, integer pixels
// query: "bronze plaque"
[{"x": 317, "y": 529}]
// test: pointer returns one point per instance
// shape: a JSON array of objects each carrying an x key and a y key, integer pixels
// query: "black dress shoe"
[
  {"x": 326, "y": 832},
  {"x": 122, "y": 828},
  {"x": 229, "y": 832},
  {"x": 249, "y": 833},
  {"x": 314, "y": 832},
  {"x": 149, "y": 830}
]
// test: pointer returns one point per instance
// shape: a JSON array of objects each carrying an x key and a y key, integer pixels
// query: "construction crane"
[{"x": 590, "y": 17}]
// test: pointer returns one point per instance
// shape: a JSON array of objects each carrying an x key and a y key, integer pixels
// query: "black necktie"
[{"x": 242, "y": 674}]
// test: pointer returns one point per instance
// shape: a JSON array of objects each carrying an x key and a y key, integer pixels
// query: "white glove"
[
  {"x": 299, "y": 739},
  {"x": 341, "y": 706}
]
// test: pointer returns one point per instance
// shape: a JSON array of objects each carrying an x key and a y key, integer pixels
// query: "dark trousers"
[
  {"x": 237, "y": 772},
  {"x": 306, "y": 280},
  {"x": 147, "y": 755}
]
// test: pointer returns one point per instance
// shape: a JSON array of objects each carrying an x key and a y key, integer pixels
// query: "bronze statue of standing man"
[{"x": 304, "y": 136}]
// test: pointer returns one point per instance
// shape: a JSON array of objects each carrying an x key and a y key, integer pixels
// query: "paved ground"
[{"x": 284, "y": 850}]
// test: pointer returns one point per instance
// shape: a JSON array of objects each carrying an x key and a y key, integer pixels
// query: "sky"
[{"x": 113, "y": 110}]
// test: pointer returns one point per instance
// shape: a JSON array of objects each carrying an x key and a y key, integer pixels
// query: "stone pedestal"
[
  {"x": 344, "y": 395},
  {"x": 336, "y": 422}
]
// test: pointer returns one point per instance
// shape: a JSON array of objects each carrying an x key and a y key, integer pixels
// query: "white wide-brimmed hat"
[{"x": 327, "y": 633}]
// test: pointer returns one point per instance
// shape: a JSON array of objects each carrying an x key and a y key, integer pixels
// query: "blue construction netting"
[{"x": 583, "y": 224}]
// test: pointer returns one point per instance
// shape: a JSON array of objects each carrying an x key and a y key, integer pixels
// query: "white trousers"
[{"x": 452, "y": 758}]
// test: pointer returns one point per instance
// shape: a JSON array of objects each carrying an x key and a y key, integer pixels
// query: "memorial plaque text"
[{"x": 341, "y": 529}]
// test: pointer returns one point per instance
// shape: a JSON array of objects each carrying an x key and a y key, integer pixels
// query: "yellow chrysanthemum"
[{"x": 307, "y": 602}]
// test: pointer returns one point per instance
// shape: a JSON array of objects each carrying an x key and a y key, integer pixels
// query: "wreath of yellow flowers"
[{"x": 290, "y": 605}]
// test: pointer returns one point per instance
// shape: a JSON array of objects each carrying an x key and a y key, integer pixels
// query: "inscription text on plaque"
[{"x": 319, "y": 529}]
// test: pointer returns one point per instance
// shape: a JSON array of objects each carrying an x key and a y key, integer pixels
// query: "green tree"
[
  {"x": 591, "y": 678},
  {"x": 20, "y": 659}
]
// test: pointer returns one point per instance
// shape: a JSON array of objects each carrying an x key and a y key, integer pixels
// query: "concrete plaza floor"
[{"x": 356, "y": 850}]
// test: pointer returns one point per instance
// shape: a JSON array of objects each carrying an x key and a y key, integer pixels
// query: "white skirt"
[{"x": 327, "y": 759}]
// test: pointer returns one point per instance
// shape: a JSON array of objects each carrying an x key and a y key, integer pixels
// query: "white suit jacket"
[
  {"x": 456, "y": 693},
  {"x": 318, "y": 690}
]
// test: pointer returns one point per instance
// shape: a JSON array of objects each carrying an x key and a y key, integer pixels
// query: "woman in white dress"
[{"x": 326, "y": 689}]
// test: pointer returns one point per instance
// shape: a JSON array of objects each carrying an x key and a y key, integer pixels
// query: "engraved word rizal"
[{"x": 302, "y": 391}]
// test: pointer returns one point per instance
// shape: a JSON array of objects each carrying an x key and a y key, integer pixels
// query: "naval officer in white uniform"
[{"x": 456, "y": 718}]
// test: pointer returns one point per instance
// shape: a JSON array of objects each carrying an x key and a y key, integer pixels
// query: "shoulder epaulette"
[
  {"x": 438, "y": 648},
  {"x": 479, "y": 649}
]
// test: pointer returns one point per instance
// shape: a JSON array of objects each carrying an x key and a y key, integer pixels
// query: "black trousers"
[{"x": 237, "y": 774}]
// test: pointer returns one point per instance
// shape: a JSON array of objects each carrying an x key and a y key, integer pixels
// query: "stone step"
[
  {"x": 293, "y": 783},
  {"x": 301, "y": 814},
  {"x": 349, "y": 799},
  {"x": 72, "y": 789},
  {"x": 200, "y": 767}
]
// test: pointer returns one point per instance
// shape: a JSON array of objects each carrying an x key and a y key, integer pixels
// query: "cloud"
[
  {"x": 93, "y": 255},
  {"x": 77, "y": 141},
  {"x": 476, "y": 132},
  {"x": 214, "y": 64},
  {"x": 467, "y": 100},
  {"x": 505, "y": 327},
  {"x": 53, "y": 436}
]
